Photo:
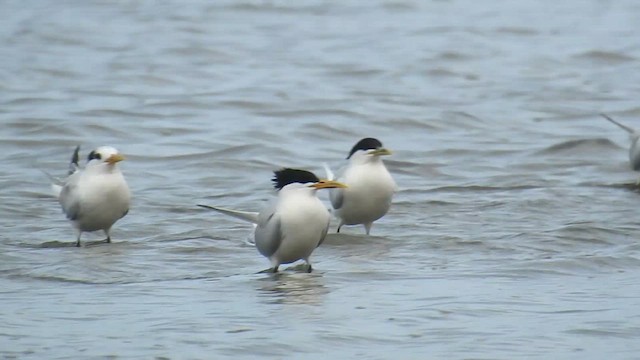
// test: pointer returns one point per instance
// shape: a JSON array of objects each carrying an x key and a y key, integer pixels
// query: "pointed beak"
[
  {"x": 380, "y": 151},
  {"x": 328, "y": 184},
  {"x": 114, "y": 159}
]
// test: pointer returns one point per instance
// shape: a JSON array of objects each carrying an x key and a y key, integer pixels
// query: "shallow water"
[{"x": 514, "y": 233}]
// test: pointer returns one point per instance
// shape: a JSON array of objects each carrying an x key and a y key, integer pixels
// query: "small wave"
[
  {"x": 278, "y": 8},
  {"x": 516, "y": 30},
  {"x": 132, "y": 280},
  {"x": 446, "y": 73},
  {"x": 352, "y": 71},
  {"x": 400, "y": 6},
  {"x": 452, "y": 56},
  {"x": 633, "y": 186},
  {"x": 559, "y": 265},
  {"x": 584, "y": 232},
  {"x": 244, "y": 104},
  {"x": 581, "y": 146},
  {"x": 58, "y": 73},
  {"x": 52, "y": 278},
  {"x": 600, "y": 56},
  {"x": 31, "y": 101},
  {"x": 246, "y": 149},
  {"x": 287, "y": 114},
  {"x": 481, "y": 188},
  {"x": 461, "y": 119},
  {"x": 117, "y": 114},
  {"x": 601, "y": 333}
]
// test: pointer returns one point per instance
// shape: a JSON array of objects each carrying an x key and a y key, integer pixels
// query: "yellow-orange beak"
[
  {"x": 380, "y": 151},
  {"x": 114, "y": 159},
  {"x": 328, "y": 184}
]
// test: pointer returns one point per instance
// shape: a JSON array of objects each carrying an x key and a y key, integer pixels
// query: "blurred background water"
[{"x": 514, "y": 233}]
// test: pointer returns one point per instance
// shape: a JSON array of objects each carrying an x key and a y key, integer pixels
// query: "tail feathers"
[
  {"x": 248, "y": 216},
  {"x": 75, "y": 158},
  {"x": 56, "y": 184},
  {"x": 327, "y": 170},
  {"x": 56, "y": 190}
]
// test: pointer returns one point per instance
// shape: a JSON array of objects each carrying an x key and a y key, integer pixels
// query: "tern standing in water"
[
  {"x": 95, "y": 197},
  {"x": 295, "y": 224},
  {"x": 370, "y": 186}
]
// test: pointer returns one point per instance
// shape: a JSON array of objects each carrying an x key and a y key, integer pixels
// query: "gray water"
[{"x": 514, "y": 234}]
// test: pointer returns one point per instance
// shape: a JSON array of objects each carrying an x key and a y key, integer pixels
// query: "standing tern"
[
  {"x": 95, "y": 197},
  {"x": 370, "y": 186},
  {"x": 634, "y": 150},
  {"x": 295, "y": 224}
]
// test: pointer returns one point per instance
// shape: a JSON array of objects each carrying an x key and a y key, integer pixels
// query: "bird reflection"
[{"x": 293, "y": 288}]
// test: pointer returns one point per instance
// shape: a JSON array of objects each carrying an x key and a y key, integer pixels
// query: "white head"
[{"x": 104, "y": 155}]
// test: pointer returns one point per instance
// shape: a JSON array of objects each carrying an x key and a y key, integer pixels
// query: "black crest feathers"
[
  {"x": 286, "y": 176},
  {"x": 94, "y": 155},
  {"x": 365, "y": 144}
]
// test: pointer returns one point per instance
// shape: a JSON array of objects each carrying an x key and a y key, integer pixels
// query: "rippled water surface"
[{"x": 514, "y": 234}]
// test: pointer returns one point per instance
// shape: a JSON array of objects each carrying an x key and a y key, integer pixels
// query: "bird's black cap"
[
  {"x": 286, "y": 176},
  {"x": 94, "y": 155},
  {"x": 365, "y": 144}
]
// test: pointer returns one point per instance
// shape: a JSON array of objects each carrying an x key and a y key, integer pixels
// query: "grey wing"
[
  {"x": 337, "y": 196},
  {"x": 324, "y": 235},
  {"x": 69, "y": 197},
  {"x": 268, "y": 233}
]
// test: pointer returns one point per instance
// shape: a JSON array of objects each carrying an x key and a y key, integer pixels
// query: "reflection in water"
[
  {"x": 57, "y": 244},
  {"x": 288, "y": 287}
]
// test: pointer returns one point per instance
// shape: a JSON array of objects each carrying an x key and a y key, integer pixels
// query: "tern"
[
  {"x": 370, "y": 186},
  {"x": 295, "y": 224},
  {"x": 95, "y": 197},
  {"x": 634, "y": 150}
]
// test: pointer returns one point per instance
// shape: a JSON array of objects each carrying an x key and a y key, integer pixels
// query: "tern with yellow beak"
[
  {"x": 370, "y": 186},
  {"x": 95, "y": 197},
  {"x": 295, "y": 224}
]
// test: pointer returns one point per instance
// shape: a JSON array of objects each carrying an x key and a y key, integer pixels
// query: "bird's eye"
[{"x": 94, "y": 155}]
